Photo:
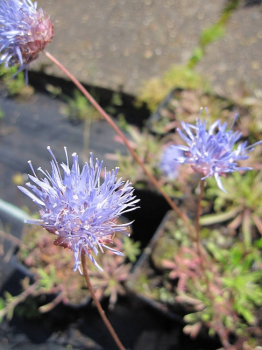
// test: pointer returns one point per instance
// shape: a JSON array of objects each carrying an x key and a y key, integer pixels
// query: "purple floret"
[
  {"x": 213, "y": 151},
  {"x": 79, "y": 208},
  {"x": 169, "y": 165}
]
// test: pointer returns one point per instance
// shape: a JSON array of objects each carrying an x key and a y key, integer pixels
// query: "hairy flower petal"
[
  {"x": 79, "y": 208},
  {"x": 212, "y": 151},
  {"x": 169, "y": 164}
]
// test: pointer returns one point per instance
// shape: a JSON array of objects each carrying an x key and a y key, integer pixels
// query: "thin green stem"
[
  {"x": 98, "y": 305},
  {"x": 179, "y": 212}
]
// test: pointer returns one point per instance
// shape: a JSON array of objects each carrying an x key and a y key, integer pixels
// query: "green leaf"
[
  {"x": 217, "y": 218},
  {"x": 45, "y": 280},
  {"x": 131, "y": 249}
]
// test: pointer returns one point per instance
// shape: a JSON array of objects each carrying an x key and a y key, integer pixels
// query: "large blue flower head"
[
  {"x": 213, "y": 151},
  {"x": 80, "y": 209},
  {"x": 24, "y": 32}
]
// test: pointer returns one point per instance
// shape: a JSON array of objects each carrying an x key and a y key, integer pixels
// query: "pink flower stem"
[
  {"x": 180, "y": 213},
  {"x": 98, "y": 305}
]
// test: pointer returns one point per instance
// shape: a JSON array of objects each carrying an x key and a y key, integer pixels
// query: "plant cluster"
[
  {"x": 78, "y": 109},
  {"x": 154, "y": 152},
  {"x": 52, "y": 268},
  {"x": 226, "y": 298},
  {"x": 240, "y": 208},
  {"x": 214, "y": 273}
]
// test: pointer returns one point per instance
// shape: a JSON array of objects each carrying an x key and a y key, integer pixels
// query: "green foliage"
[
  {"x": 2, "y": 303},
  {"x": 116, "y": 99},
  {"x": 47, "y": 280},
  {"x": 110, "y": 282},
  {"x": 225, "y": 297},
  {"x": 197, "y": 55},
  {"x": 229, "y": 8},
  {"x": 9, "y": 300},
  {"x": 122, "y": 123},
  {"x": 2, "y": 306},
  {"x": 234, "y": 291},
  {"x": 131, "y": 249},
  {"x": 241, "y": 206},
  {"x": 184, "y": 105},
  {"x": 241, "y": 280},
  {"x": 79, "y": 109},
  {"x": 52, "y": 265},
  {"x": 15, "y": 85},
  {"x": 155, "y": 90},
  {"x": 212, "y": 33},
  {"x": 147, "y": 148}
]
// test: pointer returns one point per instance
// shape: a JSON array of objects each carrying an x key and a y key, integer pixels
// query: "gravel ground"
[{"x": 118, "y": 44}]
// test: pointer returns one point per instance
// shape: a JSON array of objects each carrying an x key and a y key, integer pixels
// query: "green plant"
[
  {"x": 147, "y": 147},
  {"x": 212, "y": 33},
  {"x": 241, "y": 206},
  {"x": 241, "y": 273},
  {"x": 53, "y": 272},
  {"x": 110, "y": 282},
  {"x": 150, "y": 150},
  {"x": 227, "y": 298},
  {"x": 78, "y": 109},
  {"x": 155, "y": 90},
  {"x": 15, "y": 83},
  {"x": 131, "y": 249},
  {"x": 52, "y": 266},
  {"x": 184, "y": 105}
]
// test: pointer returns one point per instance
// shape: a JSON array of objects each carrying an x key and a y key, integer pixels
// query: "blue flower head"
[
  {"x": 24, "y": 32},
  {"x": 213, "y": 151},
  {"x": 79, "y": 208},
  {"x": 169, "y": 165}
]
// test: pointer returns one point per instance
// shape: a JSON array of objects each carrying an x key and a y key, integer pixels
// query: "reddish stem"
[
  {"x": 180, "y": 213},
  {"x": 98, "y": 305}
]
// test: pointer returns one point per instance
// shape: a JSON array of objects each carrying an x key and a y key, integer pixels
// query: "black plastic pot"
[
  {"x": 144, "y": 267},
  {"x": 12, "y": 272},
  {"x": 146, "y": 270}
]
